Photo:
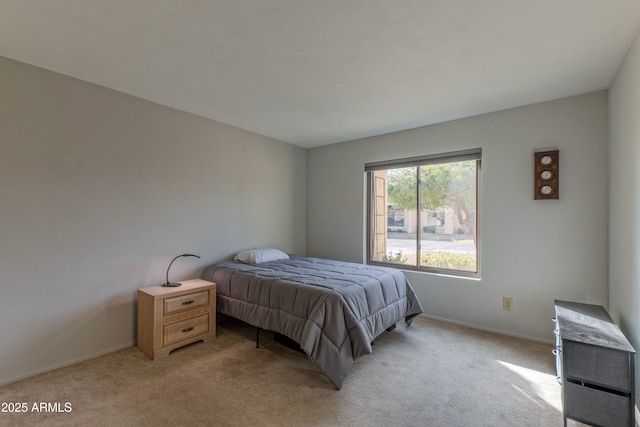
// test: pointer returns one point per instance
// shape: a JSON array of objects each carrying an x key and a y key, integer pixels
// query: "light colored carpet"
[{"x": 428, "y": 374}]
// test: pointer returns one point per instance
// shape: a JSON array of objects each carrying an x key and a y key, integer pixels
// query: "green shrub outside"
[
  {"x": 452, "y": 261},
  {"x": 448, "y": 260},
  {"x": 396, "y": 258}
]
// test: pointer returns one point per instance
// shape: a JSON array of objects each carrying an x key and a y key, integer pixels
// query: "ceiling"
[{"x": 316, "y": 72}]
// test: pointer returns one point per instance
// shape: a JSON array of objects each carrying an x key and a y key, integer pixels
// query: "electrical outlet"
[{"x": 507, "y": 304}]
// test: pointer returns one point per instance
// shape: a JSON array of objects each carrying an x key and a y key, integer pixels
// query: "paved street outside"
[{"x": 408, "y": 246}]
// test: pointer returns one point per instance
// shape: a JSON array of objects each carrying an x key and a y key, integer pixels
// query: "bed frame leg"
[
  {"x": 257, "y": 337},
  {"x": 389, "y": 329}
]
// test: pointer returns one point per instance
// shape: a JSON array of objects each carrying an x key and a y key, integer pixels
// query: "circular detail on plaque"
[
  {"x": 546, "y": 190},
  {"x": 545, "y": 175}
]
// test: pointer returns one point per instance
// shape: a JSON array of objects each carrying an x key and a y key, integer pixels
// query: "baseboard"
[
  {"x": 68, "y": 363},
  {"x": 495, "y": 331}
]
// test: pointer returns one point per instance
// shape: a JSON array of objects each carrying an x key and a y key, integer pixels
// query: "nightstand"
[{"x": 169, "y": 318}]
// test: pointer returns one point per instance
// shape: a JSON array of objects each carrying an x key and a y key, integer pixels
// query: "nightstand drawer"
[
  {"x": 185, "y": 329},
  {"x": 186, "y": 302}
]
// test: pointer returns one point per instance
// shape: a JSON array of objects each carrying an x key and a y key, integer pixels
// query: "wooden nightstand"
[{"x": 169, "y": 318}]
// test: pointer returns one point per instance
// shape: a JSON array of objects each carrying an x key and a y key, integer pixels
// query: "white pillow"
[{"x": 256, "y": 256}]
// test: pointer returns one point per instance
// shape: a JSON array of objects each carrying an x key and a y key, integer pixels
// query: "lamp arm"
[{"x": 185, "y": 255}]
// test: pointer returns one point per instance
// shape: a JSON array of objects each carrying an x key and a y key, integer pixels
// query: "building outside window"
[{"x": 395, "y": 217}]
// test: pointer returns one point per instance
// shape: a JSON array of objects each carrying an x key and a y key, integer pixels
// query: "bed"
[{"x": 332, "y": 309}]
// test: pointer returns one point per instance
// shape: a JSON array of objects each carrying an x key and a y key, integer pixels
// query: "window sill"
[
  {"x": 443, "y": 273},
  {"x": 449, "y": 276}
]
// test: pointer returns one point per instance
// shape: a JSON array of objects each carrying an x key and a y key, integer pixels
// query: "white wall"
[
  {"x": 99, "y": 190},
  {"x": 532, "y": 251},
  {"x": 624, "y": 203}
]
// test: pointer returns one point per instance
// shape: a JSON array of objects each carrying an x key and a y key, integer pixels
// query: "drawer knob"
[
  {"x": 187, "y": 330},
  {"x": 188, "y": 302}
]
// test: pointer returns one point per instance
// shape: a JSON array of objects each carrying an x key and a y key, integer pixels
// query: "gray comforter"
[{"x": 333, "y": 309}]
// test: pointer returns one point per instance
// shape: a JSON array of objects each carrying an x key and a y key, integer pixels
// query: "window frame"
[{"x": 450, "y": 157}]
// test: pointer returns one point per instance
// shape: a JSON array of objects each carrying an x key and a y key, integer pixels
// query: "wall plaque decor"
[{"x": 545, "y": 175}]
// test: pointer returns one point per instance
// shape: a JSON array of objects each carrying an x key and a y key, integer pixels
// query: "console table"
[{"x": 596, "y": 366}]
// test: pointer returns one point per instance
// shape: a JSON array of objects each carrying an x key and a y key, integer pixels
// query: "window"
[{"x": 423, "y": 213}]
